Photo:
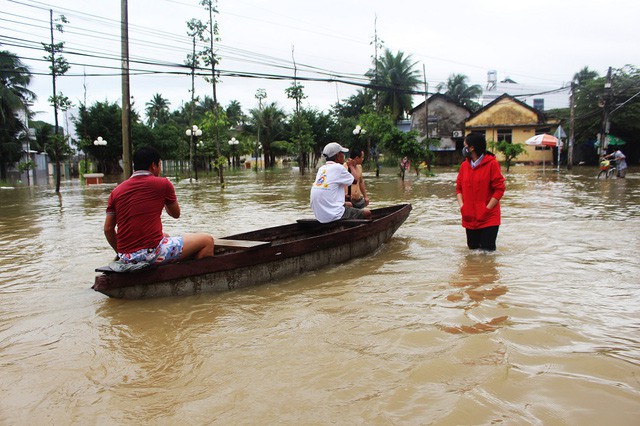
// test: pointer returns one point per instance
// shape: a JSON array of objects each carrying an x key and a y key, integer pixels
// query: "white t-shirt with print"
[{"x": 327, "y": 192}]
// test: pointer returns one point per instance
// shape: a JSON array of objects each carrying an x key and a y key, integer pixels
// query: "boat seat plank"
[
  {"x": 240, "y": 244},
  {"x": 315, "y": 221}
]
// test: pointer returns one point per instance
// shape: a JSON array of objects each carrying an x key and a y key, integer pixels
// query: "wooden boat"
[{"x": 256, "y": 257}]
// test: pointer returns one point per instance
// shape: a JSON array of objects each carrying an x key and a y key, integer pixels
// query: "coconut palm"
[
  {"x": 584, "y": 75},
  {"x": 157, "y": 110},
  {"x": 14, "y": 97},
  {"x": 458, "y": 90},
  {"x": 396, "y": 78},
  {"x": 270, "y": 119}
]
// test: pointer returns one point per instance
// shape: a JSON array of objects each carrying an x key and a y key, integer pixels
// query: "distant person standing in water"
[
  {"x": 479, "y": 188},
  {"x": 621, "y": 163}
]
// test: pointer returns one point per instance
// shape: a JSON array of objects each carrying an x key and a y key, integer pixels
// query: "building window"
[
  {"x": 504, "y": 135},
  {"x": 538, "y": 104}
]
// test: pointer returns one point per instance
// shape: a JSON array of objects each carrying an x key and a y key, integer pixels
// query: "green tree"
[
  {"x": 216, "y": 125},
  {"x": 354, "y": 105},
  {"x": 102, "y": 119},
  {"x": 157, "y": 110},
  {"x": 584, "y": 75},
  {"x": 302, "y": 138},
  {"x": 459, "y": 90},
  {"x": 397, "y": 78},
  {"x": 14, "y": 98},
  {"x": 269, "y": 121},
  {"x": 58, "y": 67},
  {"x": 234, "y": 114},
  {"x": 321, "y": 125},
  {"x": 509, "y": 150},
  {"x": 623, "y": 107}
]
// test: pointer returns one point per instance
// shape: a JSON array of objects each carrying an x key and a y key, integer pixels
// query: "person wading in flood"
[{"x": 479, "y": 187}]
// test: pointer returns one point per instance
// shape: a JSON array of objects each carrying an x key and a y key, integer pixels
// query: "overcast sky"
[{"x": 542, "y": 43}]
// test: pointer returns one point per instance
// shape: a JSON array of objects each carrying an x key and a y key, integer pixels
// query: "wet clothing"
[
  {"x": 168, "y": 250},
  {"x": 327, "y": 192},
  {"x": 352, "y": 213},
  {"x": 477, "y": 186},
  {"x": 621, "y": 163},
  {"x": 483, "y": 238},
  {"x": 137, "y": 204}
]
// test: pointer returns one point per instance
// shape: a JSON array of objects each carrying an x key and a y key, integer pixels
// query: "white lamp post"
[
  {"x": 233, "y": 142},
  {"x": 199, "y": 145},
  {"x": 193, "y": 131}
]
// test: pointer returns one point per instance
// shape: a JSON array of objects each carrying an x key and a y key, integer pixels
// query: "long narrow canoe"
[{"x": 260, "y": 256}]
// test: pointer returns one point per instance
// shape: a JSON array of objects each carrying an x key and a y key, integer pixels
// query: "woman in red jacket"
[{"x": 479, "y": 187}]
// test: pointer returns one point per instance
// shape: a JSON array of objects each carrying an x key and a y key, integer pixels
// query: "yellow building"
[{"x": 507, "y": 118}]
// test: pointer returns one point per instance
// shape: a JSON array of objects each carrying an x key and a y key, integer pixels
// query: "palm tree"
[
  {"x": 396, "y": 78},
  {"x": 157, "y": 110},
  {"x": 584, "y": 75},
  {"x": 271, "y": 120},
  {"x": 234, "y": 113},
  {"x": 14, "y": 97},
  {"x": 458, "y": 90}
]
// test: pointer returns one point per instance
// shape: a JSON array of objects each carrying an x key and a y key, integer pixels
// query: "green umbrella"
[{"x": 615, "y": 141}]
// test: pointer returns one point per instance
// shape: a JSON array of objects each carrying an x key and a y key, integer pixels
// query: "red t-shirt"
[{"x": 138, "y": 203}]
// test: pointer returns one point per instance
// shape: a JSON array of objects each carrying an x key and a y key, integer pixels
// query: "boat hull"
[{"x": 325, "y": 244}]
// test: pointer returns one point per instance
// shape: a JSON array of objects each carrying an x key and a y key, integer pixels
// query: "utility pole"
[
  {"x": 126, "y": 96},
  {"x": 604, "y": 127},
  {"x": 571, "y": 125},
  {"x": 426, "y": 111}
]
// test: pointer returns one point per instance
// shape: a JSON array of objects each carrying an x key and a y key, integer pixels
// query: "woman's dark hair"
[
  {"x": 144, "y": 157},
  {"x": 478, "y": 142}
]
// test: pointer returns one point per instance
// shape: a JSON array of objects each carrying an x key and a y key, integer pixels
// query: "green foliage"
[
  {"x": 395, "y": 78},
  {"x": 354, "y": 105},
  {"x": 296, "y": 92},
  {"x": 25, "y": 166},
  {"x": 58, "y": 149},
  {"x": 509, "y": 150},
  {"x": 271, "y": 123},
  {"x": 284, "y": 148},
  {"x": 14, "y": 97},
  {"x": 234, "y": 113},
  {"x": 157, "y": 110},
  {"x": 621, "y": 101},
  {"x": 458, "y": 90}
]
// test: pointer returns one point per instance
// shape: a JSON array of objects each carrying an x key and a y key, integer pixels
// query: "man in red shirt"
[{"x": 134, "y": 209}]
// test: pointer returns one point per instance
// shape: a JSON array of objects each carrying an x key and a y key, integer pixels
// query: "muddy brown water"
[{"x": 546, "y": 330}]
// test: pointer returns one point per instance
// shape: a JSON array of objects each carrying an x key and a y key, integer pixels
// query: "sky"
[{"x": 540, "y": 43}]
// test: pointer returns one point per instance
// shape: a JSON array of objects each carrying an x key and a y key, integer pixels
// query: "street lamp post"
[
  {"x": 100, "y": 142},
  {"x": 199, "y": 145},
  {"x": 233, "y": 142},
  {"x": 193, "y": 131}
]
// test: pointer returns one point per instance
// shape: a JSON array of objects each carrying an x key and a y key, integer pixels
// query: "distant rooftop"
[{"x": 534, "y": 96}]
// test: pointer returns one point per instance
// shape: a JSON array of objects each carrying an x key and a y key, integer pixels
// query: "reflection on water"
[
  {"x": 475, "y": 282},
  {"x": 544, "y": 330}
]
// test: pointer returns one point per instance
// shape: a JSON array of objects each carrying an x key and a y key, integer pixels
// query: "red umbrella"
[{"x": 542, "y": 140}]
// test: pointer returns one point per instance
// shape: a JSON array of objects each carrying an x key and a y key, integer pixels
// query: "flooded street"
[{"x": 546, "y": 330}]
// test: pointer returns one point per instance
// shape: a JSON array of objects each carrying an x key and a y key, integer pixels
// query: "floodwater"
[{"x": 544, "y": 331}]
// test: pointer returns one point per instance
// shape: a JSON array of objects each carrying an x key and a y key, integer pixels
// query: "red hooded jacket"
[{"x": 478, "y": 186}]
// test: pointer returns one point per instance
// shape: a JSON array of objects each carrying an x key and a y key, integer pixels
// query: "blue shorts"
[{"x": 169, "y": 250}]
